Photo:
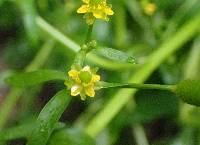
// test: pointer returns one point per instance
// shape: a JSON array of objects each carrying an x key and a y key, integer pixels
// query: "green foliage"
[
  {"x": 189, "y": 91},
  {"x": 115, "y": 55},
  {"x": 153, "y": 105},
  {"x": 39, "y": 40},
  {"x": 34, "y": 78},
  {"x": 48, "y": 117},
  {"x": 70, "y": 137}
]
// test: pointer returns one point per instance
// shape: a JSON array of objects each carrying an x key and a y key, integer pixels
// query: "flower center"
[{"x": 85, "y": 76}]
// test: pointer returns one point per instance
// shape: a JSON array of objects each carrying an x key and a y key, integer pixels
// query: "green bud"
[
  {"x": 85, "y": 76},
  {"x": 189, "y": 91}
]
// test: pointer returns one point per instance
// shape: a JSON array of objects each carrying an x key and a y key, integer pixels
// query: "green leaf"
[
  {"x": 34, "y": 78},
  {"x": 48, "y": 117},
  {"x": 115, "y": 55},
  {"x": 70, "y": 137},
  {"x": 189, "y": 91},
  {"x": 22, "y": 131}
]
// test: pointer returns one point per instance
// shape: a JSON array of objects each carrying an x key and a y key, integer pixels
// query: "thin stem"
[
  {"x": 80, "y": 58},
  {"x": 139, "y": 134},
  {"x": 71, "y": 45},
  {"x": 81, "y": 55},
  {"x": 137, "y": 86},
  {"x": 89, "y": 34}
]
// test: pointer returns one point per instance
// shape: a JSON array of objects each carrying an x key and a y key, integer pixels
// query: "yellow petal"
[
  {"x": 150, "y": 9},
  {"x": 108, "y": 11},
  {"x": 73, "y": 73},
  {"x": 89, "y": 90},
  {"x": 98, "y": 14},
  {"x": 83, "y": 9},
  {"x": 95, "y": 78},
  {"x": 86, "y": 1},
  {"x": 75, "y": 90}
]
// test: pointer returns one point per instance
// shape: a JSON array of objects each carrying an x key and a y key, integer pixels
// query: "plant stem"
[
  {"x": 89, "y": 34},
  {"x": 139, "y": 134},
  {"x": 137, "y": 86},
  {"x": 171, "y": 45},
  {"x": 100, "y": 61},
  {"x": 81, "y": 55}
]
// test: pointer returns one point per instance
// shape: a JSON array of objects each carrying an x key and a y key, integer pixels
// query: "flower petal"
[
  {"x": 98, "y": 14},
  {"x": 108, "y": 10},
  {"x": 95, "y": 78},
  {"x": 83, "y": 9},
  {"x": 75, "y": 90},
  {"x": 86, "y": 1},
  {"x": 73, "y": 73},
  {"x": 89, "y": 90}
]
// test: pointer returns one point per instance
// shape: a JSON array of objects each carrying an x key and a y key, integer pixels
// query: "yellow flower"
[
  {"x": 95, "y": 9},
  {"x": 150, "y": 9},
  {"x": 83, "y": 82}
]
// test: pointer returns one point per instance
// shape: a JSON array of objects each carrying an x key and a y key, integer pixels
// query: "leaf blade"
[
  {"x": 116, "y": 55},
  {"x": 48, "y": 117},
  {"x": 34, "y": 78}
]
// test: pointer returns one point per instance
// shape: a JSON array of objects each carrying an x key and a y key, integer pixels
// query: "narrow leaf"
[
  {"x": 70, "y": 137},
  {"x": 48, "y": 117},
  {"x": 34, "y": 78},
  {"x": 115, "y": 55},
  {"x": 22, "y": 131}
]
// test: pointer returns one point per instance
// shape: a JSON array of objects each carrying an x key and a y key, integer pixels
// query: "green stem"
[
  {"x": 154, "y": 61},
  {"x": 120, "y": 24},
  {"x": 8, "y": 105},
  {"x": 81, "y": 55},
  {"x": 100, "y": 61},
  {"x": 139, "y": 134},
  {"x": 137, "y": 86},
  {"x": 80, "y": 58},
  {"x": 89, "y": 34}
]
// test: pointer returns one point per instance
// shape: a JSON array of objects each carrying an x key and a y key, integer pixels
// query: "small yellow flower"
[
  {"x": 95, "y": 9},
  {"x": 82, "y": 82},
  {"x": 150, "y": 9}
]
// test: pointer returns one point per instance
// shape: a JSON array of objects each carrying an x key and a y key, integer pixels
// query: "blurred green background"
[{"x": 163, "y": 118}]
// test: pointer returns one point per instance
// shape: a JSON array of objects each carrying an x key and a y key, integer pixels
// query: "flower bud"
[{"x": 189, "y": 91}]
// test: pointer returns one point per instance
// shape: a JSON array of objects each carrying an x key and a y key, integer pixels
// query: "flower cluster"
[
  {"x": 95, "y": 9},
  {"x": 82, "y": 82}
]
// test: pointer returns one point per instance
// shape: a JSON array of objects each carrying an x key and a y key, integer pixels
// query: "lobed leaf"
[{"x": 34, "y": 78}]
